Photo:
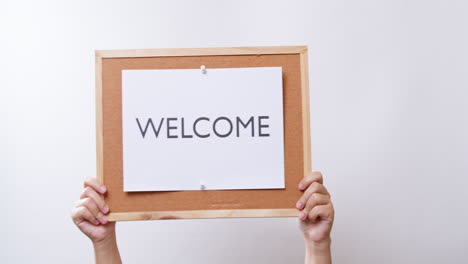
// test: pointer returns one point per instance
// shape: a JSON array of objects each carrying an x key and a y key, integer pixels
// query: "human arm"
[
  {"x": 89, "y": 215},
  {"x": 316, "y": 219}
]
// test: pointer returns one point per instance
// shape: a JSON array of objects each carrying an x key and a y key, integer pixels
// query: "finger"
[
  {"x": 93, "y": 208},
  {"x": 315, "y": 187},
  {"x": 95, "y": 184},
  {"x": 309, "y": 179},
  {"x": 324, "y": 212},
  {"x": 316, "y": 199},
  {"x": 81, "y": 214},
  {"x": 91, "y": 193}
]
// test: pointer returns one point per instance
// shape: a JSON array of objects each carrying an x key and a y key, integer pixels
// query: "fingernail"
[
  {"x": 301, "y": 187},
  {"x": 299, "y": 205},
  {"x": 103, "y": 189},
  {"x": 302, "y": 216},
  {"x": 96, "y": 222},
  {"x": 105, "y": 209},
  {"x": 103, "y": 220}
]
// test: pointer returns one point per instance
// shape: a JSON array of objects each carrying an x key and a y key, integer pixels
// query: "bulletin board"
[{"x": 203, "y": 203}]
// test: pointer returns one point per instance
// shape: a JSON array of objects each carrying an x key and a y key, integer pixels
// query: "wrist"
[
  {"x": 106, "y": 243},
  {"x": 106, "y": 251},
  {"x": 318, "y": 248}
]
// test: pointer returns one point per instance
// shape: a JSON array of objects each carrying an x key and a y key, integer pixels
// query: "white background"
[
  {"x": 247, "y": 161},
  {"x": 389, "y": 89}
]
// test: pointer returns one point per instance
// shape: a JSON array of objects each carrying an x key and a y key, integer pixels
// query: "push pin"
[{"x": 203, "y": 69}]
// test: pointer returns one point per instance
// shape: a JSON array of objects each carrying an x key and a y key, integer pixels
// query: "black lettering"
[
  {"x": 150, "y": 122},
  {"x": 169, "y": 127},
  {"x": 195, "y": 127},
  {"x": 260, "y": 126},
  {"x": 216, "y": 121},
  {"x": 245, "y": 125},
  {"x": 183, "y": 130}
]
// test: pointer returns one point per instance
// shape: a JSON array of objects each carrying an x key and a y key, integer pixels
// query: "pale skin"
[{"x": 315, "y": 206}]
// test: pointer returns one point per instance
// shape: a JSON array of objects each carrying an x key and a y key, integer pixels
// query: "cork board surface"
[{"x": 119, "y": 201}]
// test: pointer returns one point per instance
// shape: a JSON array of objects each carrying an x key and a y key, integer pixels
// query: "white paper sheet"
[{"x": 169, "y": 161}]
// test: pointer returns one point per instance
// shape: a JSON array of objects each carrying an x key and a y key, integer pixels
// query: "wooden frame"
[{"x": 101, "y": 55}]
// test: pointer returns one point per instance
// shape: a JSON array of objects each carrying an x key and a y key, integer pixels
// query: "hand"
[
  {"x": 317, "y": 213},
  {"x": 90, "y": 212}
]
